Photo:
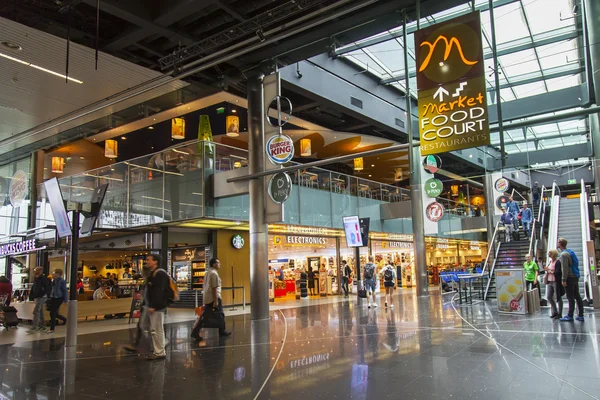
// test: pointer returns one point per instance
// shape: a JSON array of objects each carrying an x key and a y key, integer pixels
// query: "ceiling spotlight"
[
  {"x": 261, "y": 35},
  {"x": 123, "y": 138},
  {"x": 150, "y": 127}
]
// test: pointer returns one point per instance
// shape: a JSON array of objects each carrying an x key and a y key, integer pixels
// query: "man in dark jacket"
[
  {"x": 157, "y": 302},
  {"x": 570, "y": 281},
  {"x": 39, "y": 294}
]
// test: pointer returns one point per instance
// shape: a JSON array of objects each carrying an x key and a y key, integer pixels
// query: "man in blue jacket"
[
  {"x": 513, "y": 208},
  {"x": 526, "y": 219}
]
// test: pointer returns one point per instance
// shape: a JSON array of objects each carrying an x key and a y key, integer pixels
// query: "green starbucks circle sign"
[{"x": 433, "y": 187}]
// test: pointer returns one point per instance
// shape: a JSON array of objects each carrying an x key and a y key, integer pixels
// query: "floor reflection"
[{"x": 421, "y": 348}]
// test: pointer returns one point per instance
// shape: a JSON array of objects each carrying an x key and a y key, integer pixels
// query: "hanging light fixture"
[
  {"x": 237, "y": 164},
  {"x": 358, "y": 164},
  {"x": 58, "y": 165},
  {"x": 178, "y": 128},
  {"x": 454, "y": 190},
  {"x": 397, "y": 174},
  {"x": 111, "y": 148},
  {"x": 232, "y": 123},
  {"x": 305, "y": 147}
]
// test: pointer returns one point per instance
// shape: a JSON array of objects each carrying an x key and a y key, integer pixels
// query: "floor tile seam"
[{"x": 524, "y": 359}]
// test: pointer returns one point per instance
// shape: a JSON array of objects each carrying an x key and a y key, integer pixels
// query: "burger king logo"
[
  {"x": 502, "y": 185},
  {"x": 280, "y": 149}
]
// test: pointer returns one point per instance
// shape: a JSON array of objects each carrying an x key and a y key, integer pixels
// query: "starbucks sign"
[
  {"x": 433, "y": 187},
  {"x": 237, "y": 241}
]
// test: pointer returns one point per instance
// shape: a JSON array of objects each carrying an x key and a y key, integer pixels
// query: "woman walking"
[
  {"x": 58, "y": 295},
  {"x": 553, "y": 278},
  {"x": 311, "y": 281}
]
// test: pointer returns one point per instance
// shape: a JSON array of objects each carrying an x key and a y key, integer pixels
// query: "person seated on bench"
[{"x": 100, "y": 294}]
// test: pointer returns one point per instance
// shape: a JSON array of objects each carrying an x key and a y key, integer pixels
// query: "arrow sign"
[{"x": 440, "y": 93}]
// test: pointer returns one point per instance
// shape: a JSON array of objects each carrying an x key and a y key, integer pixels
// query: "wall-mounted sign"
[
  {"x": 434, "y": 211},
  {"x": 396, "y": 245},
  {"x": 442, "y": 244},
  {"x": 501, "y": 202},
  {"x": 237, "y": 241},
  {"x": 280, "y": 187},
  {"x": 19, "y": 188},
  {"x": 279, "y": 240},
  {"x": 501, "y": 185},
  {"x": 451, "y": 86},
  {"x": 280, "y": 149},
  {"x": 571, "y": 181},
  {"x": 25, "y": 246},
  {"x": 432, "y": 164},
  {"x": 305, "y": 230},
  {"x": 433, "y": 187}
]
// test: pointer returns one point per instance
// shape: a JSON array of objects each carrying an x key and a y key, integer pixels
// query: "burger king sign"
[{"x": 280, "y": 149}]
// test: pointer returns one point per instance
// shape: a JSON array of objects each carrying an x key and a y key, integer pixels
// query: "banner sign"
[
  {"x": 511, "y": 291},
  {"x": 451, "y": 87},
  {"x": 25, "y": 246}
]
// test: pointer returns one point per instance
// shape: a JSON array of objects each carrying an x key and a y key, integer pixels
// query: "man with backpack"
[
  {"x": 369, "y": 273},
  {"x": 570, "y": 280},
  {"x": 211, "y": 298},
  {"x": 389, "y": 281},
  {"x": 160, "y": 295}
]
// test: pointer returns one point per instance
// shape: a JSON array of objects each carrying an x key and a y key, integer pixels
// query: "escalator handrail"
[
  {"x": 492, "y": 245},
  {"x": 585, "y": 235}
]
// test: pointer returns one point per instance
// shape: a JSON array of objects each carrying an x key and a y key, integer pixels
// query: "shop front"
[
  {"x": 396, "y": 250},
  {"x": 453, "y": 255}
]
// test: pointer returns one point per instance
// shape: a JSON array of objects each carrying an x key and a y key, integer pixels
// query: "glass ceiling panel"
[
  {"x": 539, "y": 12},
  {"x": 557, "y": 54},
  {"x": 523, "y": 62},
  {"x": 530, "y": 89},
  {"x": 510, "y": 18},
  {"x": 391, "y": 54},
  {"x": 563, "y": 82}
]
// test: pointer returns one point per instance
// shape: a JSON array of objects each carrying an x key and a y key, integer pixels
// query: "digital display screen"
[
  {"x": 352, "y": 231},
  {"x": 63, "y": 225}
]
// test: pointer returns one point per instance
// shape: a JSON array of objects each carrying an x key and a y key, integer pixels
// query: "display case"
[{"x": 189, "y": 267}]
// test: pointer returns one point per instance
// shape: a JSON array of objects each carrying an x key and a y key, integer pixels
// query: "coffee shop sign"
[{"x": 24, "y": 246}]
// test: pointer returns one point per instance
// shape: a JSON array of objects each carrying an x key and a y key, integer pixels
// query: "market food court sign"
[
  {"x": 453, "y": 111},
  {"x": 25, "y": 246}
]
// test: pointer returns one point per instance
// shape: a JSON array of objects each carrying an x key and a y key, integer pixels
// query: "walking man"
[
  {"x": 346, "y": 271},
  {"x": 526, "y": 219},
  {"x": 570, "y": 280},
  {"x": 369, "y": 272},
  {"x": 211, "y": 298},
  {"x": 513, "y": 208},
  {"x": 507, "y": 221},
  {"x": 158, "y": 288},
  {"x": 39, "y": 294}
]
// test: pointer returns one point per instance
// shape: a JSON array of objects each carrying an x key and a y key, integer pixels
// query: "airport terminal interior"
[{"x": 292, "y": 199}]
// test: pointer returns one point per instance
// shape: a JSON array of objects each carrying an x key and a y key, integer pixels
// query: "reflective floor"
[{"x": 422, "y": 349}]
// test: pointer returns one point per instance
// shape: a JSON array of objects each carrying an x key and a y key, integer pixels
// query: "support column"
[
  {"x": 259, "y": 277},
  {"x": 488, "y": 192},
  {"x": 416, "y": 190},
  {"x": 164, "y": 247},
  {"x": 591, "y": 23}
]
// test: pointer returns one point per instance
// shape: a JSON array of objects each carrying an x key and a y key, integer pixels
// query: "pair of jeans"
[
  {"x": 526, "y": 228},
  {"x": 370, "y": 285},
  {"x": 211, "y": 315},
  {"x": 551, "y": 290},
  {"x": 573, "y": 296},
  {"x": 157, "y": 331},
  {"x": 345, "y": 280},
  {"x": 54, "y": 312},
  {"x": 38, "y": 312},
  {"x": 515, "y": 220}
]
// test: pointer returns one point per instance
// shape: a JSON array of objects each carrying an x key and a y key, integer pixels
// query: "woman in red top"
[{"x": 6, "y": 288}]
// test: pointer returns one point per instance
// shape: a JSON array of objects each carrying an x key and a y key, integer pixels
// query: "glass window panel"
[
  {"x": 562, "y": 82},
  {"x": 547, "y": 128},
  {"x": 574, "y": 126},
  {"x": 510, "y": 24},
  {"x": 557, "y": 54},
  {"x": 522, "y": 62},
  {"x": 391, "y": 54},
  {"x": 530, "y": 89},
  {"x": 548, "y": 13},
  {"x": 366, "y": 63}
]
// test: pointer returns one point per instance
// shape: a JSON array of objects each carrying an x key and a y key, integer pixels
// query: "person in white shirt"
[
  {"x": 211, "y": 298},
  {"x": 100, "y": 293},
  {"x": 389, "y": 282}
]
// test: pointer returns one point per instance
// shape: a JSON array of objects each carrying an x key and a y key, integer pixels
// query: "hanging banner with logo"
[{"x": 451, "y": 87}]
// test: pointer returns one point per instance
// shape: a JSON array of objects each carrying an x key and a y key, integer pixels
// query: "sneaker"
[
  {"x": 225, "y": 334},
  {"x": 130, "y": 349},
  {"x": 369, "y": 306},
  {"x": 566, "y": 318},
  {"x": 391, "y": 305},
  {"x": 50, "y": 331},
  {"x": 580, "y": 319},
  {"x": 375, "y": 305},
  {"x": 156, "y": 357},
  {"x": 386, "y": 304}
]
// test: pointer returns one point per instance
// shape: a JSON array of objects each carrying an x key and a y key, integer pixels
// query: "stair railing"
[
  {"x": 512, "y": 194},
  {"x": 554, "y": 210},
  {"x": 541, "y": 218},
  {"x": 491, "y": 274},
  {"x": 494, "y": 247},
  {"x": 585, "y": 236}
]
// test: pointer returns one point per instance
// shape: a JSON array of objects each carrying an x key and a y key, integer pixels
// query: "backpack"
[
  {"x": 388, "y": 274},
  {"x": 173, "y": 290},
  {"x": 575, "y": 265},
  {"x": 369, "y": 269}
]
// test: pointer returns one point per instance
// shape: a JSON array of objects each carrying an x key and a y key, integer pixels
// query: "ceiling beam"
[
  {"x": 231, "y": 11},
  {"x": 158, "y": 25},
  {"x": 550, "y": 73},
  {"x": 306, "y": 107}
]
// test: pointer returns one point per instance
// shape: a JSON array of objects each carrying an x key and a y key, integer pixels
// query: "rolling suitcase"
[{"x": 10, "y": 318}]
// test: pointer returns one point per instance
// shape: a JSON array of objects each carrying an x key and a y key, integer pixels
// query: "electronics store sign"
[
  {"x": 26, "y": 246},
  {"x": 305, "y": 240},
  {"x": 451, "y": 87}
]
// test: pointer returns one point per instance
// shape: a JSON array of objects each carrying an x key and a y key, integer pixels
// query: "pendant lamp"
[
  {"x": 237, "y": 164},
  {"x": 111, "y": 148},
  {"x": 58, "y": 165},
  {"x": 358, "y": 164},
  {"x": 178, "y": 128},
  {"x": 232, "y": 124},
  {"x": 305, "y": 147},
  {"x": 397, "y": 174}
]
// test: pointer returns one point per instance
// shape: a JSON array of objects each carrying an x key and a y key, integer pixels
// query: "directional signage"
[
  {"x": 433, "y": 187},
  {"x": 451, "y": 86},
  {"x": 280, "y": 187}
]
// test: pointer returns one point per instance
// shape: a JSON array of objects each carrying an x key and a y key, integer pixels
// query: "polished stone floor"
[{"x": 424, "y": 348}]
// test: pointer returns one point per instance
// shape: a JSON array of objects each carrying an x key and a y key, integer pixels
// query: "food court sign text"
[{"x": 453, "y": 111}]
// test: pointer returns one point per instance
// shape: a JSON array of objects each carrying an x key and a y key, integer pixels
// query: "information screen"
[
  {"x": 352, "y": 231},
  {"x": 63, "y": 225}
]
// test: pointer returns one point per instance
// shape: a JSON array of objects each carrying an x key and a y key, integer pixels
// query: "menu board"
[{"x": 510, "y": 286}]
